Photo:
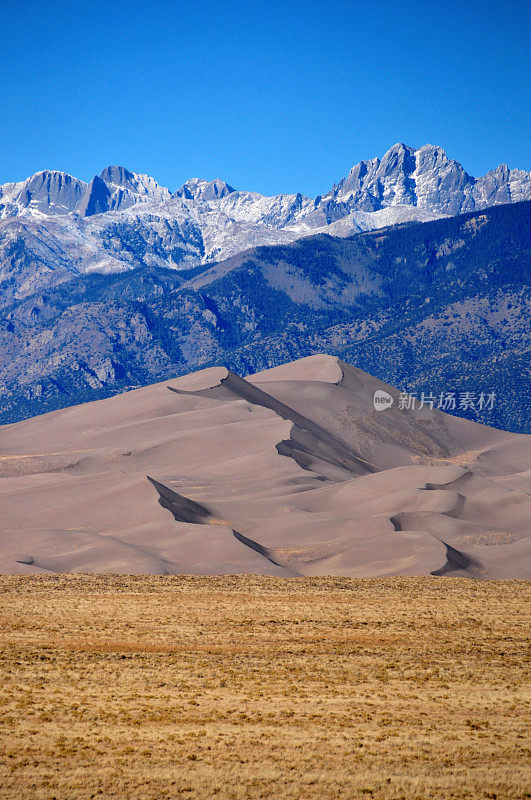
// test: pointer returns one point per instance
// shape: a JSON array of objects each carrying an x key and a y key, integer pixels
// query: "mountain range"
[
  {"x": 408, "y": 267},
  {"x": 439, "y": 306},
  {"x": 54, "y": 227}
]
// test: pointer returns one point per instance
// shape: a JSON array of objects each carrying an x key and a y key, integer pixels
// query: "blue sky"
[{"x": 276, "y": 97}]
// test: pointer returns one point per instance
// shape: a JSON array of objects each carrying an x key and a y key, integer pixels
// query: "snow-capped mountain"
[
  {"x": 424, "y": 178},
  {"x": 54, "y": 226},
  {"x": 197, "y": 189},
  {"x": 427, "y": 178},
  {"x": 442, "y": 305},
  {"x": 55, "y": 193},
  {"x": 48, "y": 192}
]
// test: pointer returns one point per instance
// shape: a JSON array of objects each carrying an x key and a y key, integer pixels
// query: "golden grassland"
[{"x": 142, "y": 688}]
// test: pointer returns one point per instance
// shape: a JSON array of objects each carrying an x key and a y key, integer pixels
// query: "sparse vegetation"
[{"x": 248, "y": 687}]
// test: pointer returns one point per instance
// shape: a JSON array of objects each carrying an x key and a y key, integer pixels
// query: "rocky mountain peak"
[
  {"x": 120, "y": 176},
  {"x": 48, "y": 191},
  {"x": 405, "y": 183},
  {"x": 132, "y": 183},
  {"x": 198, "y": 189}
]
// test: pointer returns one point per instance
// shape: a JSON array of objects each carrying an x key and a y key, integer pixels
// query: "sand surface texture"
[{"x": 288, "y": 472}]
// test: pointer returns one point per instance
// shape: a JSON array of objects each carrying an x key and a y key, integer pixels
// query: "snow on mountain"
[
  {"x": 128, "y": 188},
  {"x": 56, "y": 193},
  {"x": 438, "y": 306},
  {"x": 426, "y": 178},
  {"x": 358, "y": 221},
  {"x": 48, "y": 192},
  {"x": 122, "y": 220},
  {"x": 197, "y": 189}
]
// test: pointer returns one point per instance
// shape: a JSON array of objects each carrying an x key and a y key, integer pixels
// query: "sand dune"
[{"x": 287, "y": 472}]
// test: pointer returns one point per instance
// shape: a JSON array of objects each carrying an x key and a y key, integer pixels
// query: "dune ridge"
[
  {"x": 307, "y": 439},
  {"x": 288, "y": 472},
  {"x": 186, "y": 510}
]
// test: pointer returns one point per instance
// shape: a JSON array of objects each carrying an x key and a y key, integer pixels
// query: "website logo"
[{"x": 382, "y": 400}]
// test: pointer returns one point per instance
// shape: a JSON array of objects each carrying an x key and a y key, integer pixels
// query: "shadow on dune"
[
  {"x": 186, "y": 510},
  {"x": 309, "y": 444}
]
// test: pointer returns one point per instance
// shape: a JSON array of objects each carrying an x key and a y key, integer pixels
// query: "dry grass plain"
[{"x": 142, "y": 688}]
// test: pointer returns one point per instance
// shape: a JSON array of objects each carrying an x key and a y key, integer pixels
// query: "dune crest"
[{"x": 291, "y": 471}]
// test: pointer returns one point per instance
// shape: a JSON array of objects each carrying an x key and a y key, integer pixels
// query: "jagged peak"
[
  {"x": 53, "y": 172},
  {"x": 117, "y": 174},
  {"x": 46, "y": 191},
  {"x": 431, "y": 147},
  {"x": 200, "y": 189},
  {"x": 404, "y": 176},
  {"x": 44, "y": 175},
  {"x": 137, "y": 183},
  {"x": 400, "y": 147},
  {"x": 501, "y": 169}
]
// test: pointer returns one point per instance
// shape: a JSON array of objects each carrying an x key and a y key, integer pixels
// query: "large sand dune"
[{"x": 288, "y": 472}]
